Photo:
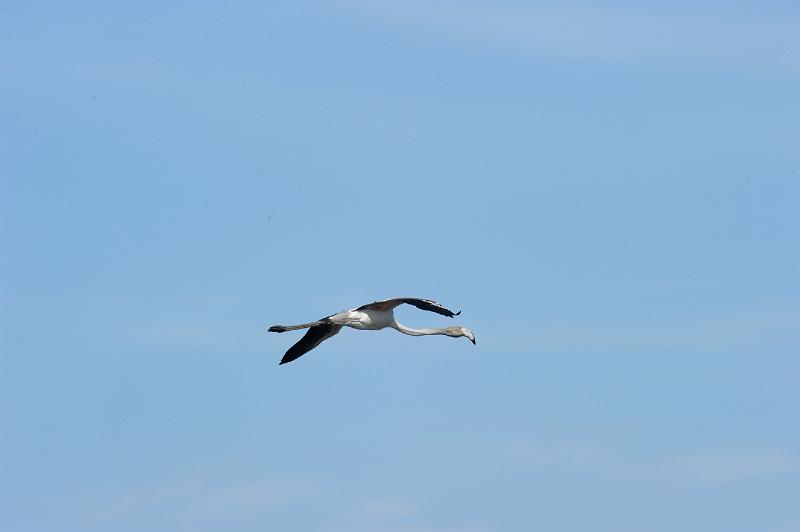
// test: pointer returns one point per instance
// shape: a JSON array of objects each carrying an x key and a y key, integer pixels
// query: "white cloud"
[{"x": 602, "y": 33}]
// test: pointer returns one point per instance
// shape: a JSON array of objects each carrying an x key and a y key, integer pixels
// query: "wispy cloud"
[
  {"x": 199, "y": 499},
  {"x": 427, "y": 528},
  {"x": 734, "y": 330},
  {"x": 212, "y": 502},
  {"x": 603, "y": 33},
  {"x": 706, "y": 466},
  {"x": 206, "y": 321},
  {"x": 383, "y": 508}
]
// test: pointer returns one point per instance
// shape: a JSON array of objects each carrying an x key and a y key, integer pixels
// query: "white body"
[
  {"x": 375, "y": 320},
  {"x": 366, "y": 320}
]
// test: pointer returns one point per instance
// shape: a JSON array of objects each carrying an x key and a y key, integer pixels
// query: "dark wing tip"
[
  {"x": 290, "y": 356},
  {"x": 429, "y": 305},
  {"x": 313, "y": 337}
]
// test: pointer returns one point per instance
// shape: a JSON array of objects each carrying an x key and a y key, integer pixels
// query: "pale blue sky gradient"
[{"x": 609, "y": 194}]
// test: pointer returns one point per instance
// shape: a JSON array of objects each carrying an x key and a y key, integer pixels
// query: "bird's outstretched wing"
[
  {"x": 422, "y": 304},
  {"x": 313, "y": 337}
]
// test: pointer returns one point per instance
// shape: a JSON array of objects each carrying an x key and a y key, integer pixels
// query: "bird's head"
[{"x": 457, "y": 331}]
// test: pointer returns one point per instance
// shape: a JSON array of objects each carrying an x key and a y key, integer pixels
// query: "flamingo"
[{"x": 370, "y": 317}]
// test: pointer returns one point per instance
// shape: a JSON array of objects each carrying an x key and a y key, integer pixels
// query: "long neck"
[{"x": 417, "y": 332}]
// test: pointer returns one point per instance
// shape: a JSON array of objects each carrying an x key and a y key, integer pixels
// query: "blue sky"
[{"x": 608, "y": 192}]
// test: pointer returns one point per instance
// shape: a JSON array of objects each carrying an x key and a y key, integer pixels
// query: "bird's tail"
[{"x": 284, "y": 328}]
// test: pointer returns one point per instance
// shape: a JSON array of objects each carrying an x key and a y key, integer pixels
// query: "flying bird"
[{"x": 371, "y": 317}]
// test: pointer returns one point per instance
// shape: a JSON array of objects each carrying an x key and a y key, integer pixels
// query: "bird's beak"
[{"x": 473, "y": 341}]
